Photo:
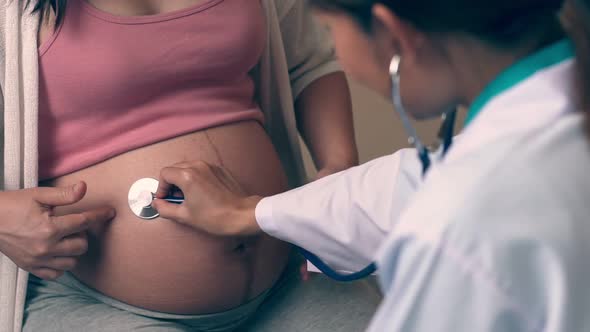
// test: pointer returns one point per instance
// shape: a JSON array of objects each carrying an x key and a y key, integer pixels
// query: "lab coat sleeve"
[{"x": 343, "y": 218}]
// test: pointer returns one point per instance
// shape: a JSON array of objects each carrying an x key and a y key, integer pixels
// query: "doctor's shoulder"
[
  {"x": 517, "y": 182},
  {"x": 518, "y": 227},
  {"x": 529, "y": 227},
  {"x": 523, "y": 187}
]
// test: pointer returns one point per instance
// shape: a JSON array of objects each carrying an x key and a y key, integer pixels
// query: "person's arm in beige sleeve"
[{"x": 322, "y": 96}]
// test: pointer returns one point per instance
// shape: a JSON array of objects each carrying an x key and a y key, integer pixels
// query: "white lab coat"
[{"x": 496, "y": 237}]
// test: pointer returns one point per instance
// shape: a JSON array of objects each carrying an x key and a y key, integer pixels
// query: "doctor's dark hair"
[{"x": 503, "y": 23}]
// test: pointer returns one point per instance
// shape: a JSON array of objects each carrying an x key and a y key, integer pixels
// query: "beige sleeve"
[
  {"x": 308, "y": 46},
  {"x": 1, "y": 138}
]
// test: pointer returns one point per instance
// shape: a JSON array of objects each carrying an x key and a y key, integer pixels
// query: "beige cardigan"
[{"x": 285, "y": 69}]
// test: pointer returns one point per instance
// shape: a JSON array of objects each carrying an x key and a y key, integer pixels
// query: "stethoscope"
[
  {"x": 141, "y": 195},
  {"x": 142, "y": 192},
  {"x": 445, "y": 136}
]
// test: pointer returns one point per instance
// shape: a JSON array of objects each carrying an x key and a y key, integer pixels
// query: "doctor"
[{"x": 495, "y": 236}]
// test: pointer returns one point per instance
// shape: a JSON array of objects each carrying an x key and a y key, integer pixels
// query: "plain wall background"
[{"x": 378, "y": 129}]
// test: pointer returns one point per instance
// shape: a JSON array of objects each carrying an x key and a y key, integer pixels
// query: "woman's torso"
[
  {"x": 161, "y": 265},
  {"x": 164, "y": 266},
  {"x": 111, "y": 83}
]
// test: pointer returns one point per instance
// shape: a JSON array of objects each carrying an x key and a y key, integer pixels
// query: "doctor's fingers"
[
  {"x": 70, "y": 224},
  {"x": 182, "y": 164},
  {"x": 183, "y": 177},
  {"x": 193, "y": 164},
  {"x": 175, "y": 212},
  {"x": 228, "y": 180},
  {"x": 170, "y": 177}
]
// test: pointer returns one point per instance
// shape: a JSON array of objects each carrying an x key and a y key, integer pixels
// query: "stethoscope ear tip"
[{"x": 394, "y": 65}]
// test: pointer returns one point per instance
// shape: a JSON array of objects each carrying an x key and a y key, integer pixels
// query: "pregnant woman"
[{"x": 100, "y": 93}]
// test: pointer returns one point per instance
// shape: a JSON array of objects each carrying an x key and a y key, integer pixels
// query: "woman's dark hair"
[
  {"x": 45, "y": 6},
  {"x": 504, "y": 23}
]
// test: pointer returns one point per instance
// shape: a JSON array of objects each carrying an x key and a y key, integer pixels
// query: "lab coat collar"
[
  {"x": 519, "y": 72},
  {"x": 528, "y": 105}
]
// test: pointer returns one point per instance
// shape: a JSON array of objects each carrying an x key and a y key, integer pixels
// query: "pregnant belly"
[{"x": 163, "y": 266}]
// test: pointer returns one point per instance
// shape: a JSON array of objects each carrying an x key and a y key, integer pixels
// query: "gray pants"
[{"x": 316, "y": 305}]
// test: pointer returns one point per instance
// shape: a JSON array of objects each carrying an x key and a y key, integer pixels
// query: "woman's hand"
[
  {"x": 214, "y": 202},
  {"x": 38, "y": 241}
]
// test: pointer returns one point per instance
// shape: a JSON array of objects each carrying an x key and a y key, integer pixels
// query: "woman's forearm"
[{"x": 324, "y": 118}]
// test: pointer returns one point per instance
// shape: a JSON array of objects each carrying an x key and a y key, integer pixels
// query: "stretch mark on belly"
[
  {"x": 215, "y": 149},
  {"x": 243, "y": 248}
]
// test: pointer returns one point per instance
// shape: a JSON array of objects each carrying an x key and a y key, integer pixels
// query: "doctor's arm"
[{"x": 342, "y": 218}]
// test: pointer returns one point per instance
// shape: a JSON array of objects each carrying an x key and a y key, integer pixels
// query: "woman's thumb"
[{"x": 60, "y": 195}]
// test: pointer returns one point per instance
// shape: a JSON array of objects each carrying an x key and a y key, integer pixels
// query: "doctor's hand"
[
  {"x": 38, "y": 241},
  {"x": 214, "y": 202}
]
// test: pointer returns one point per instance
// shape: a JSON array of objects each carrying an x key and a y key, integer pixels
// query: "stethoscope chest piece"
[{"x": 140, "y": 197}]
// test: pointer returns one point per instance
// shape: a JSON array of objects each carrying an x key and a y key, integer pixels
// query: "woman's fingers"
[
  {"x": 61, "y": 263},
  {"x": 75, "y": 245},
  {"x": 64, "y": 256},
  {"x": 59, "y": 196},
  {"x": 76, "y": 223},
  {"x": 47, "y": 273}
]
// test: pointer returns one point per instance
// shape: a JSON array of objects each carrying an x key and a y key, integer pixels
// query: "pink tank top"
[{"x": 111, "y": 84}]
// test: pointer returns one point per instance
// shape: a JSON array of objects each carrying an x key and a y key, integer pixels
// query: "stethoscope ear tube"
[
  {"x": 446, "y": 131},
  {"x": 398, "y": 106}
]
